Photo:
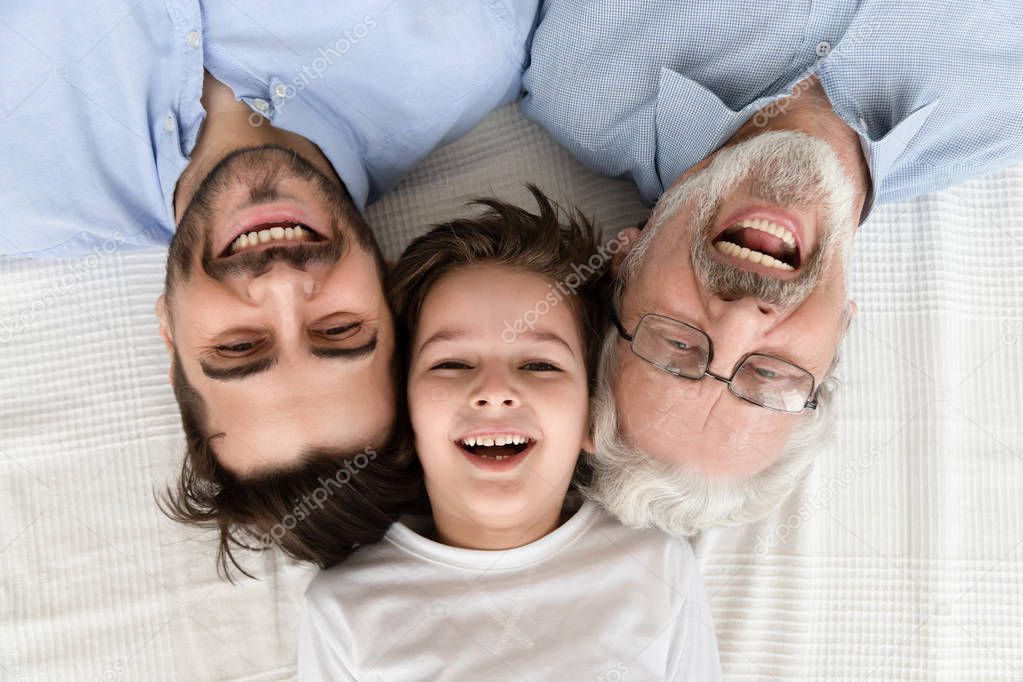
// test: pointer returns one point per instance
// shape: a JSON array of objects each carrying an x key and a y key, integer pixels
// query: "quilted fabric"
[{"x": 901, "y": 557}]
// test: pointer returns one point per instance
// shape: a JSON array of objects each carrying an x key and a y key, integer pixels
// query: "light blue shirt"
[
  {"x": 101, "y": 108},
  {"x": 645, "y": 90}
]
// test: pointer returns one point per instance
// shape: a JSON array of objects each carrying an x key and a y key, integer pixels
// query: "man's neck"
[{"x": 232, "y": 125}]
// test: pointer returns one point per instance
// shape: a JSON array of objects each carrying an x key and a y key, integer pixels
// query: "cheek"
[
  {"x": 423, "y": 411},
  {"x": 430, "y": 435},
  {"x": 632, "y": 391},
  {"x": 566, "y": 407},
  {"x": 198, "y": 315},
  {"x": 356, "y": 280},
  {"x": 431, "y": 410}
]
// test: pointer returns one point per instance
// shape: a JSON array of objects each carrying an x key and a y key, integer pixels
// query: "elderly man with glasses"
[{"x": 766, "y": 133}]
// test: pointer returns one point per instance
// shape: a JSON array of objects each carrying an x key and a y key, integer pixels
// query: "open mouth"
[
  {"x": 760, "y": 241},
  {"x": 496, "y": 446},
  {"x": 266, "y": 235}
]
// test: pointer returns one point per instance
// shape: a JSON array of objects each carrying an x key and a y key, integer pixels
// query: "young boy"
[{"x": 509, "y": 578}]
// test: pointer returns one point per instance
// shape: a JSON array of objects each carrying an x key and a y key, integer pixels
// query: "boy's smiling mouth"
[{"x": 496, "y": 446}]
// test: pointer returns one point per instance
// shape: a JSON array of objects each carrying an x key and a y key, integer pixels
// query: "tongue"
[{"x": 755, "y": 240}]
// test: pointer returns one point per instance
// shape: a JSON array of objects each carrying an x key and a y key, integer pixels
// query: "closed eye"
[
  {"x": 540, "y": 366},
  {"x": 340, "y": 330},
  {"x": 237, "y": 347},
  {"x": 451, "y": 364}
]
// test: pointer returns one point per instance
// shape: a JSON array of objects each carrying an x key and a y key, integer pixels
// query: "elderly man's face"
[
  {"x": 792, "y": 305},
  {"x": 289, "y": 341}
]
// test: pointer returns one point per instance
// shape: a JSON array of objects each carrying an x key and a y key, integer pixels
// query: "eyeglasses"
[{"x": 685, "y": 351}]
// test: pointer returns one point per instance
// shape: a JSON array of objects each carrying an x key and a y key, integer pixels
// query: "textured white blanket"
[{"x": 902, "y": 558}]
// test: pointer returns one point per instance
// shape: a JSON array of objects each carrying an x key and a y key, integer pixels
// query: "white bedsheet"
[{"x": 900, "y": 559}]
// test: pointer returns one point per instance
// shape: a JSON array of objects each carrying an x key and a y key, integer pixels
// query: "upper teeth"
[
  {"x": 495, "y": 440},
  {"x": 782, "y": 233},
  {"x": 270, "y": 234}
]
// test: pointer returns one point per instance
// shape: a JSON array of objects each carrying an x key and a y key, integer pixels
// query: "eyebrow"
[
  {"x": 539, "y": 337},
  {"x": 268, "y": 363}
]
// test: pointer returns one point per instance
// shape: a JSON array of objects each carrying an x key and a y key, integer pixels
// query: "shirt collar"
[
  {"x": 289, "y": 108},
  {"x": 692, "y": 122}
]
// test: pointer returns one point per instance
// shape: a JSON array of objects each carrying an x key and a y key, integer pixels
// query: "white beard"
[{"x": 786, "y": 168}]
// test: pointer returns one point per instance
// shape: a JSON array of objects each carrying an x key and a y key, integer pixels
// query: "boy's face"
[{"x": 472, "y": 378}]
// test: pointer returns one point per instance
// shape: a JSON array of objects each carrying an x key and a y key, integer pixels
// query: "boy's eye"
[
  {"x": 540, "y": 366},
  {"x": 451, "y": 364}
]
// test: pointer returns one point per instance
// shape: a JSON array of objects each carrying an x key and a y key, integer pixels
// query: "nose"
[
  {"x": 764, "y": 307},
  {"x": 494, "y": 391},
  {"x": 282, "y": 283},
  {"x": 737, "y": 325}
]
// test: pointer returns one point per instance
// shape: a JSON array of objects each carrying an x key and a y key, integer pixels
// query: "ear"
[
  {"x": 588, "y": 445},
  {"x": 626, "y": 239},
  {"x": 165, "y": 331},
  {"x": 850, "y": 313},
  {"x": 163, "y": 318}
]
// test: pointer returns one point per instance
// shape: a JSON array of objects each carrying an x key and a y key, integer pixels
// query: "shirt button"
[
  {"x": 193, "y": 39},
  {"x": 823, "y": 48},
  {"x": 262, "y": 106},
  {"x": 168, "y": 123},
  {"x": 281, "y": 90}
]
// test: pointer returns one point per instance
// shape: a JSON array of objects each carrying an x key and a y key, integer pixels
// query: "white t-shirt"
[{"x": 592, "y": 600}]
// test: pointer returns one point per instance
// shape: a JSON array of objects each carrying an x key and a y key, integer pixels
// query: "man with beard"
[
  {"x": 250, "y": 139},
  {"x": 768, "y": 131}
]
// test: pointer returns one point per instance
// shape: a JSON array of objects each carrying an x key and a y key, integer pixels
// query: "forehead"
[
  {"x": 271, "y": 428},
  {"x": 698, "y": 424},
  {"x": 496, "y": 298}
]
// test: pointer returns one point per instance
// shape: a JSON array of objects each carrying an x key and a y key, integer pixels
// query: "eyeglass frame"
[{"x": 811, "y": 403}]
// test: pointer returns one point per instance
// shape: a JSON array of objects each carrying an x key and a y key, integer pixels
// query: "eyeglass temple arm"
[{"x": 621, "y": 330}]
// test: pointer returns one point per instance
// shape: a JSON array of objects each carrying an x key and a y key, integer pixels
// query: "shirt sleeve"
[
  {"x": 693, "y": 654},
  {"x": 319, "y": 657}
]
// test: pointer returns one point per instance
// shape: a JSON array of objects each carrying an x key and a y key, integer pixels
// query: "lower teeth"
[{"x": 497, "y": 457}]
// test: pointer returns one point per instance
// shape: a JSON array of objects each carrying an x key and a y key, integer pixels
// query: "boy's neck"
[{"x": 454, "y": 531}]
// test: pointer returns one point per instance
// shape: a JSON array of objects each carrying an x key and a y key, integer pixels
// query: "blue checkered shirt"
[
  {"x": 101, "y": 106},
  {"x": 645, "y": 90}
]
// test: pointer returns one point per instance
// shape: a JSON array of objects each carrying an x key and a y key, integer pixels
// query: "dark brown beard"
[{"x": 262, "y": 169}]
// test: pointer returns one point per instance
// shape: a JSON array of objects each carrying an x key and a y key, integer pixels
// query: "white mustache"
[{"x": 784, "y": 168}]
